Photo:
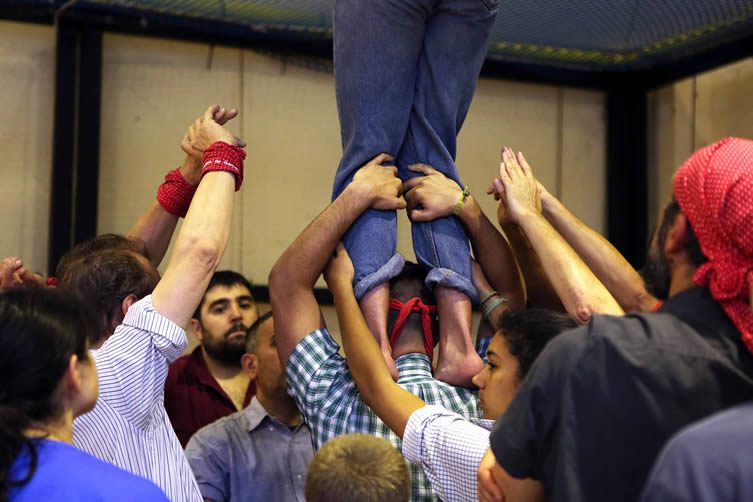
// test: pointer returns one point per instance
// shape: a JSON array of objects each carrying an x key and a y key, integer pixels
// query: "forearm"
[
  {"x": 606, "y": 262},
  {"x": 155, "y": 226},
  {"x": 198, "y": 248},
  {"x": 539, "y": 290},
  {"x": 303, "y": 261},
  {"x": 494, "y": 254},
  {"x": 389, "y": 401},
  {"x": 577, "y": 287}
]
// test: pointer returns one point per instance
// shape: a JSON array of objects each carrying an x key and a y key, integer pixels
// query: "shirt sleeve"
[
  {"x": 448, "y": 448},
  {"x": 133, "y": 363},
  {"x": 523, "y": 436},
  {"x": 206, "y": 457}
]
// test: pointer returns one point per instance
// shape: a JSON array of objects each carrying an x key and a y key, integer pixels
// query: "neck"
[
  {"x": 58, "y": 429},
  {"x": 282, "y": 407},
  {"x": 221, "y": 370},
  {"x": 682, "y": 278}
]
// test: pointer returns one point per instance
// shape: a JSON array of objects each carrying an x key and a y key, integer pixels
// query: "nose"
[
  {"x": 479, "y": 379},
  {"x": 235, "y": 311}
]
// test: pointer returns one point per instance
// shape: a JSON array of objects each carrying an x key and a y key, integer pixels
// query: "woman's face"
[{"x": 498, "y": 381}]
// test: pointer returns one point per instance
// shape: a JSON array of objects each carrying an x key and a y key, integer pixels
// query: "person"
[
  {"x": 48, "y": 378},
  {"x": 707, "y": 460},
  {"x": 358, "y": 467},
  {"x": 317, "y": 375},
  {"x": 263, "y": 451},
  {"x": 600, "y": 401},
  {"x": 129, "y": 426},
  {"x": 405, "y": 74},
  {"x": 446, "y": 446},
  {"x": 210, "y": 383}
]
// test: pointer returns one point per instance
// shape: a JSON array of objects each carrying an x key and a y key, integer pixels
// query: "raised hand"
[
  {"x": 379, "y": 184},
  {"x": 517, "y": 186},
  {"x": 208, "y": 129},
  {"x": 430, "y": 196},
  {"x": 13, "y": 275}
]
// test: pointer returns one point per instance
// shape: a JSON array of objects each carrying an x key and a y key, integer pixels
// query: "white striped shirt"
[
  {"x": 449, "y": 448},
  {"x": 129, "y": 426}
]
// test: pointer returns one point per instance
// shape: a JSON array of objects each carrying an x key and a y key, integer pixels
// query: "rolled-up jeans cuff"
[
  {"x": 389, "y": 270},
  {"x": 450, "y": 279}
]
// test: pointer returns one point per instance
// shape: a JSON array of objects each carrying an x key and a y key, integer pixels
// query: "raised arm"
[
  {"x": 292, "y": 278},
  {"x": 204, "y": 234},
  {"x": 580, "y": 291},
  {"x": 393, "y": 404},
  {"x": 609, "y": 266},
  {"x": 434, "y": 195},
  {"x": 156, "y": 225}
]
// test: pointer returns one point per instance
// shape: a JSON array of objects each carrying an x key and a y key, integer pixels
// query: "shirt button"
[{"x": 299, "y": 476}]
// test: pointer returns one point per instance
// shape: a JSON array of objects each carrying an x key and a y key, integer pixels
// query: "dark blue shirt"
[
  {"x": 601, "y": 400},
  {"x": 710, "y": 460},
  {"x": 66, "y": 473}
]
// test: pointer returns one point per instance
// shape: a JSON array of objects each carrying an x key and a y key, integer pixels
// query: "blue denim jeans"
[{"x": 405, "y": 73}]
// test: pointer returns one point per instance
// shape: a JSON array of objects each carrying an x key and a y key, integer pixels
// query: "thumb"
[
  {"x": 400, "y": 203},
  {"x": 419, "y": 215}
]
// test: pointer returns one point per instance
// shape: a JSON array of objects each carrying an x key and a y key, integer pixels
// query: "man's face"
[
  {"x": 656, "y": 272},
  {"x": 498, "y": 381},
  {"x": 226, "y": 314},
  {"x": 270, "y": 375}
]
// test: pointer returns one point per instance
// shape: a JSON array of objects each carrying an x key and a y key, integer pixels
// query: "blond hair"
[{"x": 358, "y": 467}]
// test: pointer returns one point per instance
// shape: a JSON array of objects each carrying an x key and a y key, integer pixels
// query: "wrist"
[
  {"x": 470, "y": 210},
  {"x": 549, "y": 204},
  {"x": 340, "y": 286},
  {"x": 358, "y": 193},
  {"x": 191, "y": 170}
]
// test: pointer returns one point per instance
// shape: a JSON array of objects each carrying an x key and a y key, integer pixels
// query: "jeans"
[{"x": 405, "y": 73}]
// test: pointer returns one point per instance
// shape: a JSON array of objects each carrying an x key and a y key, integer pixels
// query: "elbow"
[
  {"x": 583, "y": 312},
  {"x": 278, "y": 281},
  {"x": 205, "y": 254}
]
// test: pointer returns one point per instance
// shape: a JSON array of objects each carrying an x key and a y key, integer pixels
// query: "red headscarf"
[{"x": 714, "y": 188}]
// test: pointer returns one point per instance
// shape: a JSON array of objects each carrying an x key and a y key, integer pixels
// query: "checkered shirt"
[
  {"x": 321, "y": 384},
  {"x": 449, "y": 449}
]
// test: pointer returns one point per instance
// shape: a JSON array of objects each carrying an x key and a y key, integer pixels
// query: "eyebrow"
[
  {"x": 491, "y": 353},
  {"x": 225, "y": 301}
]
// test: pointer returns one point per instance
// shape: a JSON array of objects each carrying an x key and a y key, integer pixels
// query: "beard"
[
  {"x": 656, "y": 274},
  {"x": 228, "y": 350}
]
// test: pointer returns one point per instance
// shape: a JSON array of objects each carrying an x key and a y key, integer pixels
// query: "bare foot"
[
  {"x": 375, "y": 304},
  {"x": 458, "y": 368}
]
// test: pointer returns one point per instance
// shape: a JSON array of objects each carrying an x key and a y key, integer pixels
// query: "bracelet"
[
  {"x": 492, "y": 307},
  {"x": 466, "y": 193},
  {"x": 490, "y": 295},
  {"x": 175, "y": 194},
  {"x": 224, "y": 157}
]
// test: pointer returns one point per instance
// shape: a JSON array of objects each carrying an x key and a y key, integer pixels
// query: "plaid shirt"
[{"x": 320, "y": 382}]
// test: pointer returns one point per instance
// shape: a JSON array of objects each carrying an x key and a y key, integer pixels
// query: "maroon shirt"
[{"x": 193, "y": 398}]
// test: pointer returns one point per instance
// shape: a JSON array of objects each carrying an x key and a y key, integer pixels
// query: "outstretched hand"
[
  {"x": 430, "y": 196},
  {"x": 13, "y": 275},
  {"x": 340, "y": 269},
  {"x": 517, "y": 186},
  {"x": 379, "y": 184}
]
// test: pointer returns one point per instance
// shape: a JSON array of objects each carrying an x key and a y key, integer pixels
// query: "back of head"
[
  {"x": 103, "y": 271},
  {"x": 40, "y": 330},
  {"x": 358, "y": 467},
  {"x": 227, "y": 278},
  {"x": 409, "y": 284},
  {"x": 526, "y": 333}
]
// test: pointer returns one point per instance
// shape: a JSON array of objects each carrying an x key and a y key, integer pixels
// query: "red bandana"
[
  {"x": 715, "y": 191},
  {"x": 414, "y": 305}
]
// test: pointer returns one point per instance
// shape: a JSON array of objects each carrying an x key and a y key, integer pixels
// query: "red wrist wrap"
[
  {"x": 223, "y": 157},
  {"x": 175, "y": 193}
]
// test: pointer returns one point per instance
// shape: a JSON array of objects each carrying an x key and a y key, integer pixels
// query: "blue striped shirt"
[{"x": 129, "y": 426}]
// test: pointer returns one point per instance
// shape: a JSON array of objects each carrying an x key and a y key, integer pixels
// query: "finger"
[
  {"x": 486, "y": 480},
  {"x": 420, "y": 215},
  {"x": 499, "y": 188},
  {"x": 8, "y": 267},
  {"x": 219, "y": 115},
  {"x": 422, "y": 168},
  {"x": 413, "y": 183},
  {"x": 209, "y": 114},
  {"x": 400, "y": 203},
  {"x": 382, "y": 157},
  {"x": 524, "y": 164}
]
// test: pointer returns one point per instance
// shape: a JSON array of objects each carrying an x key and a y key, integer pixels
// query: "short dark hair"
[
  {"x": 358, "y": 467},
  {"x": 225, "y": 278},
  {"x": 526, "y": 333},
  {"x": 104, "y": 271},
  {"x": 251, "y": 335},
  {"x": 40, "y": 329},
  {"x": 409, "y": 284}
]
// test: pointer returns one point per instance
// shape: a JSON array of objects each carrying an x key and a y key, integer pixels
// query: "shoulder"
[
  {"x": 88, "y": 475},
  {"x": 218, "y": 434}
]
